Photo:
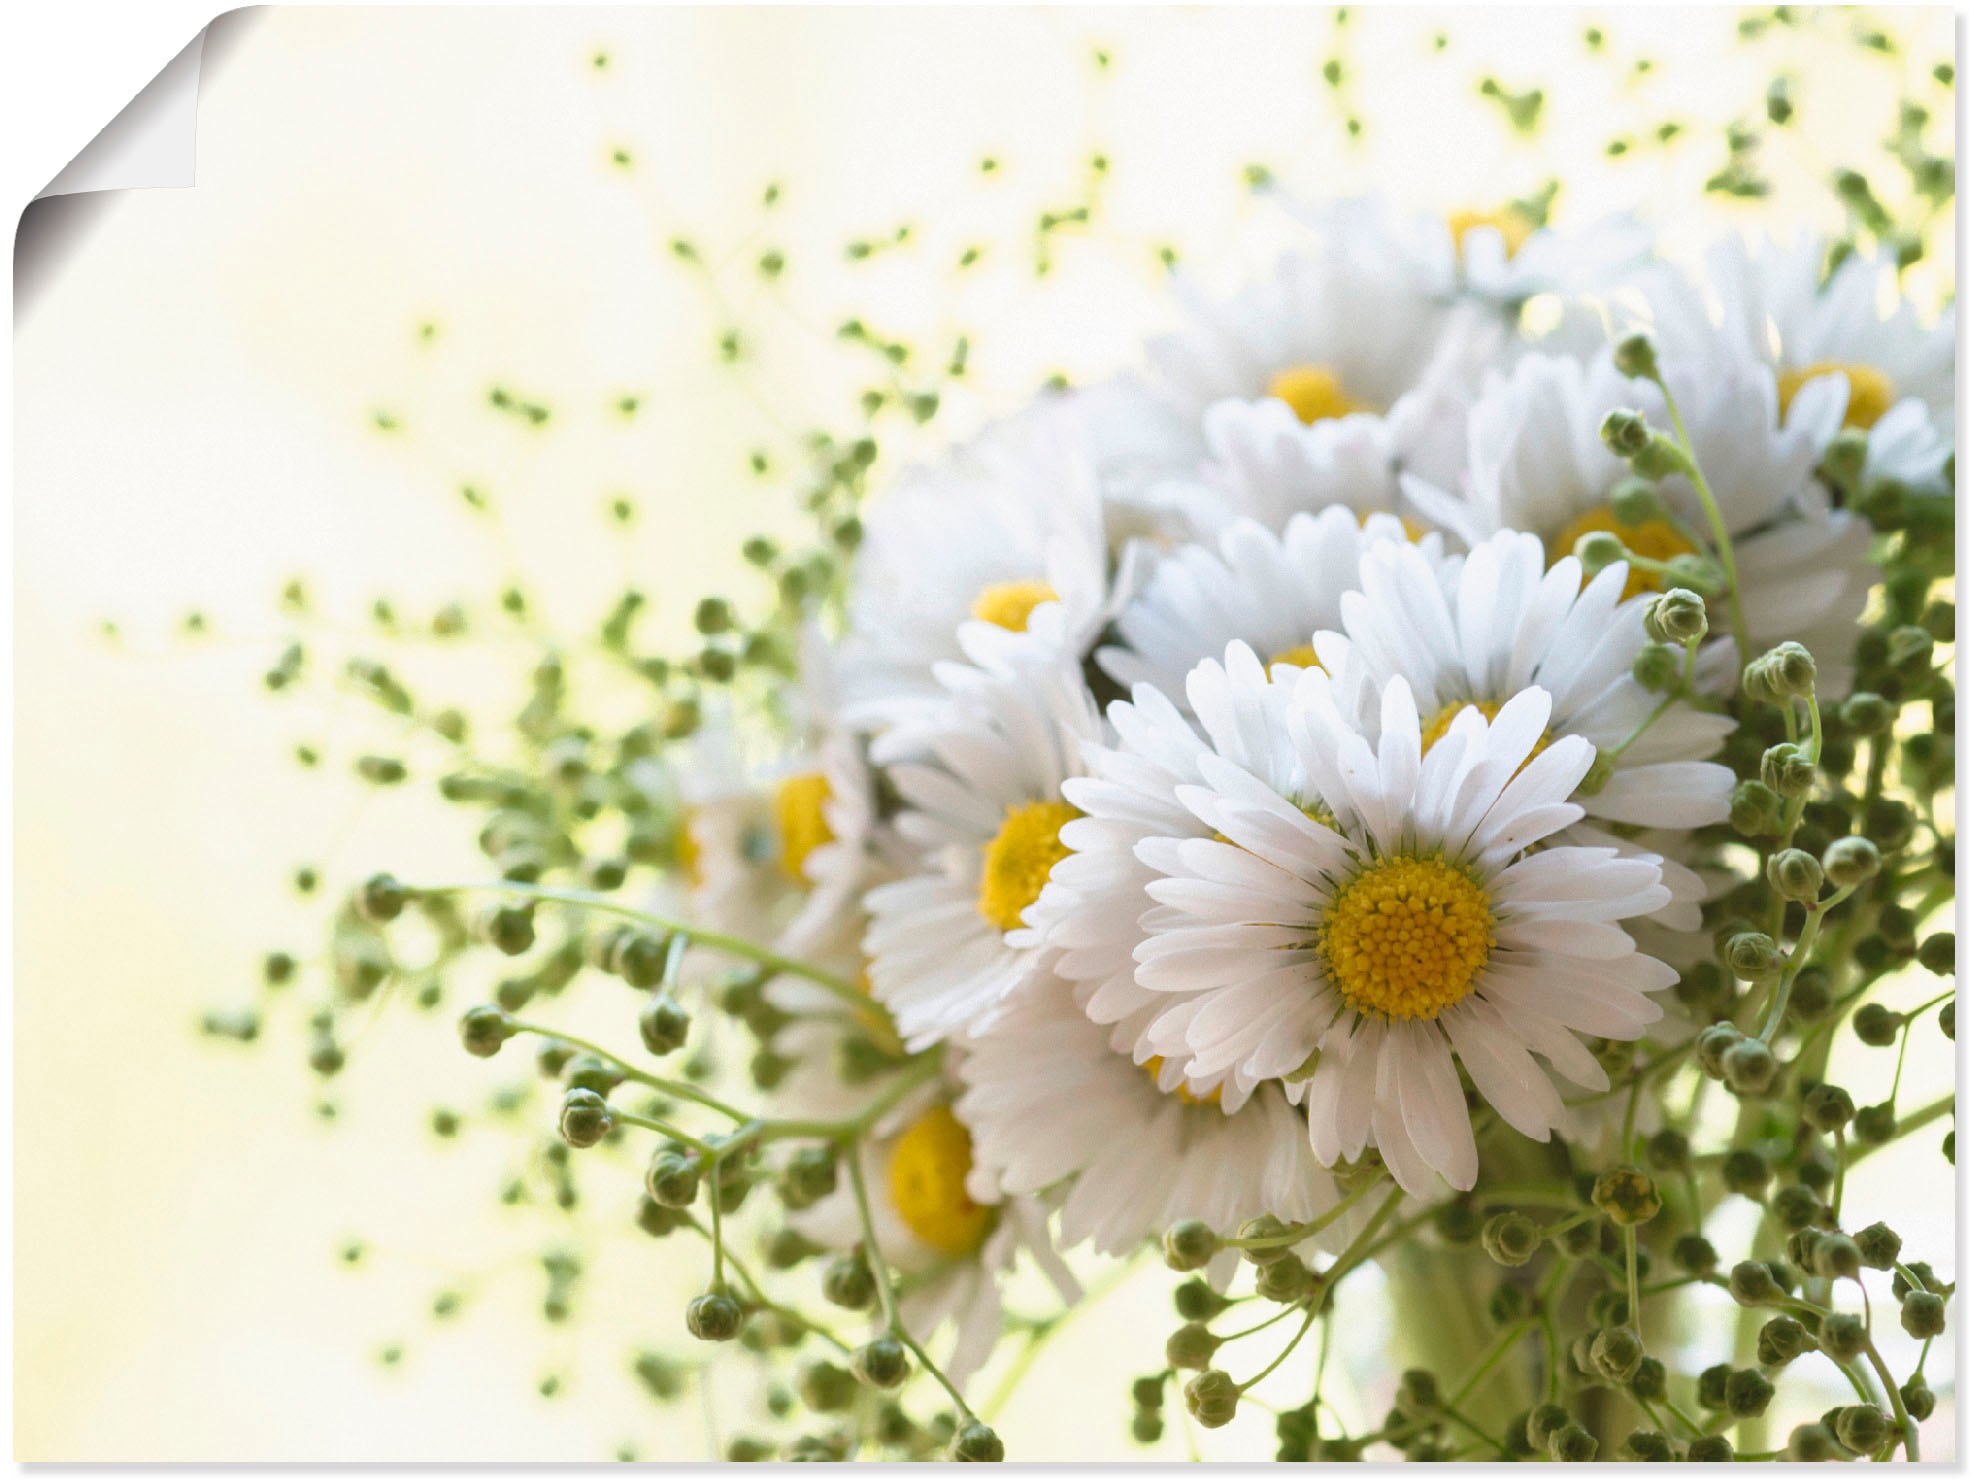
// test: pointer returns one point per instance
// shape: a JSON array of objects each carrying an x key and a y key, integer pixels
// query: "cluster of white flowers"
[{"x": 1254, "y": 770}]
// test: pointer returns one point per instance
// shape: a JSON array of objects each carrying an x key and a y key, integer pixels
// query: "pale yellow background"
[{"x": 195, "y": 422}]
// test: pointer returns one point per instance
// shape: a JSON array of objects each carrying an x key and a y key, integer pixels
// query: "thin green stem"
[
  {"x": 1710, "y": 507},
  {"x": 677, "y": 1088}
]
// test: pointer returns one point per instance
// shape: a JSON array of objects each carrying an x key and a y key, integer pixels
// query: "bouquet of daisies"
[{"x": 1419, "y": 775}]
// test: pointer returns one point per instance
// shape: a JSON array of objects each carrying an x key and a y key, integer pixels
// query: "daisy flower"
[
  {"x": 984, "y": 808},
  {"x": 1047, "y": 1092},
  {"x": 1359, "y": 931},
  {"x": 1536, "y": 462},
  {"x": 1270, "y": 591},
  {"x": 1006, "y": 527},
  {"x": 1897, "y": 369}
]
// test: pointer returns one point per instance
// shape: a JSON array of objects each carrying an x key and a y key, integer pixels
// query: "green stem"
[
  {"x": 674, "y": 1087},
  {"x": 1710, "y": 506}
]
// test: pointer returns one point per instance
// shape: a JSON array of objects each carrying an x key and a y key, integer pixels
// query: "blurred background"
[{"x": 517, "y": 251}]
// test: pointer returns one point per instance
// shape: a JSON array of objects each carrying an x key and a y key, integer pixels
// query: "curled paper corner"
[{"x": 151, "y": 144}]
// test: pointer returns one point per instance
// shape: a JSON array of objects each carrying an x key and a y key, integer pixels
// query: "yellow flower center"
[
  {"x": 1011, "y": 603},
  {"x": 1655, "y": 539},
  {"x": 685, "y": 852},
  {"x": 1155, "y": 1065},
  {"x": 1407, "y": 937},
  {"x": 1435, "y": 728},
  {"x": 1019, "y": 859},
  {"x": 1513, "y": 224},
  {"x": 1871, "y": 390},
  {"x": 1302, "y": 655},
  {"x": 1314, "y": 394},
  {"x": 799, "y": 816},
  {"x": 929, "y": 1166}
]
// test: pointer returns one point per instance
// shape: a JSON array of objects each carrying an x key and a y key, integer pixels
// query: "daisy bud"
[
  {"x": 1636, "y": 357},
  {"x": 1788, "y": 771},
  {"x": 787, "y": 1248},
  {"x": 1921, "y": 1271},
  {"x": 1657, "y": 667},
  {"x": 1827, "y": 1107},
  {"x": 1749, "y": 1068},
  {"x": 1616, "y": 1353},
  {"x": 1190, "y": 1245},
  {"x": 1285, "y": 1282},
  {"x": 713, "y": 1317},
  {"x": 1936, "y": 954},
  {"x": 1712, "y": 1046},
  {"x": 1418, "y": 1392},
  {"x": 1862, "y": 1428},
  {"x": 1748, "y": 1393},
  {"x": 1946, "y": 1020},
  {"x": 1511, "y": 1239},
  {"x": 881, "y": 1363},
  {"x": 1573, "y": 1444},
  {"x": 1752, "y": 1282},
  {"x": 1792, "y": 671},
  {"x": 1746, "y": 1171},
  {"x": 1710, "y": 1388},
  {"x": 509, "y": 929},
  {"x": 1147, "y": 1427},
  {"x": 1598, "y": 549},
  {"x": 1850, "y": 861},
  {"x": 825, "y": 1387},
  {"x": 1782, "y": 1340},
  {"x": 1867, "y": 714},
  {"x": 1668, "y": 1150},
  {"x": 1812, "y": 1443},
  {"x": 483, "y": 1029},
  {"x": 1877, "y": 1025},
  {"x": 1694, "y": 1254},
  {"x": 1713, "y": 1449},
  {"x": 1875, "y": 1124},
  {"x": 1845, "y": 1336},
  {"x": 1267, "y": 1226},
  {"x": 638, "y": 956},
  {"x": 1678, "y": 616},
  {"x": 1698, "y": 573},
  {"x": 978, "y": 1444},
  {"x": 1753, "y": 955},
  {"x": 672, "y": 1178},
  {"x": 1923, "y": 1314},
  {"x": 1626, "y": 1196},
  {"x": 381, "y": 899},
  {"x": 1758, "y": 682},
  {"x": 1148, "y": 1392},
  {"x": 1795, "y": 1207},
  {"x": 663, "y": 1025},
  {"x": 1507, "y": 1303},
  {"x": 1625, "y": 433},
  {"x": 1909, "y": 648},
  {"x": 1843, "y": 459},
  {"x": 1836, "y": 1257},
  {"x": 1196, "y": 1300},
  {"x": 1191, "y": 1347},
  {"x": 1918, "y": 1398},
  {"x": 1879, "y": 1246},
  {"x": 809, "y": 1177},
  {"x": 1636, "y": 502},
  {"x": 1648, "y": 1446},
  {"x": 848, "y": 1282},
  {"x": 1543, "y": 1421},
  {"x": 586, "y": 1118},
  {"x": 1648, "y": 1381},
  {"x": 1796, "y": 875},
  {"x": 1755, "y": 810},
  {"x": 1211, "y": 1398}
]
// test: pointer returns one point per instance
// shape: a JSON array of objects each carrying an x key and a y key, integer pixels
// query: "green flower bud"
[
  {"x": 1796, "y": 875},
  {"x": 1936, "y": 953},
  {"x": 1755, "y": 810},
  {"x": 1544, "y": 1420},
  {"x": 1511, "y": 1239},
  {"x": 586, "y": 1118},
  {"x": 1625, "y": 432},
  {"x": 1712, "y": 1449},
  {"x": 1678, "y": 616},
  {"x": 1196, "y": 1300},
  {"x": 808, "y": 1177},
  {"x": 671, "y": 1179},
  {"x": 1812, "y": 1443},
  {"x": 381, "y": 899},
  {"x": 1843, "y": 1336},
  {"x": 509, "y": 929},
  {"x": 1657, "y": 667},
  {"x": 1211, "y": 1399},
  {"x": 1626, "y": 1196},
  {"x": 1827, "y": 1107},
  {"x": 1758, "y": 682},
  {"x": 483, "y": 1029},
  {"x": 1148, "y": 1392},
  {"x": 1457, "y": 1221},
  {"x": 1918, "y": 1398},
  {"x": 1879, "y": 1246},
  {"x": 713, "y": 1317},
  {"x": 1572, "y": 1444},
  {"x": 1712, "y": 1046},
  {"x": 1616, "y": 1353},
  {"x": 1285, "y": 1281},
  {"x": 1635, "y": 356},
  {"x": 1753, "y": 956},
  {"x": 1748, "y": 1393},
  {"x": 1875, "y": 1124},
  {"x": 1788, "y": 771},
  {"x": 639, "y": 958},
  {"x": 1836, "y": 1257},
  {"x": 1647, "y": 1446},
  {"x": 1191, "y": 1347},
  {"x": 1190, "y": 1245},
  {"x": 1850, "y": 861},
  {"x": 663, "y": 1025},
  {"x": 1843, "y": 459},
  {"x": 881, "y": 1363},
  {"x": 1921, "y": 1271},
  {"x": 1792, "y": 671},
  {"x": 1877, "y": 1025},
  {"x": 1746, "y": 1171},
  {"x": 978, "y": 1444},
  {"x": 1863, "y": 1428},
  {"x": 1648, "y": 1381},
  {"x": 1795, "y": 1207},
  {"x": 1909, "y": 649},
  {"x": 1147, "y": 1427},
  {"x": 1267, "y": 1226},
  {"x": 1782, "y": 1340},
  {"x": 1749, "y": 1068},
  {"x": 1923, "y": 1314},
  {"x": 825, "y": 1387},
  {"x": 1711, "y": 1387},
  {"x": 1696, "y": 573},
  {"x": 848, "y": 1282},
  {"x": 1752, "y": 1283},
  {"x": 1598, "y": 549},
  {"x": 1694, "y": 1254},
  {"x": 1946, "y": 1020},
  {"x": 1866, "y": 713},
  {"x": 1507, "y": 1303}
]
